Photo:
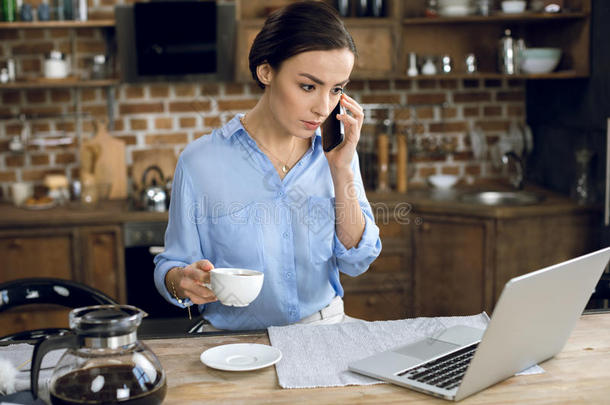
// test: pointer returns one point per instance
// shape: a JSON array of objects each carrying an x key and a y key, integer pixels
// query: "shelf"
[
  {"x": 56, "y": 24},
  {"x": 60, "y": 83},
  {"x": 360, "y": 21},
  {"x": 565, "y": 74},
  {"x": 520, "y": 18}
]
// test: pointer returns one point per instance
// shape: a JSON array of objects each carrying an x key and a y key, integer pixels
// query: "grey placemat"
[
  {"x": 20, "y": 356},
  {"x": 317, "y": 356}
]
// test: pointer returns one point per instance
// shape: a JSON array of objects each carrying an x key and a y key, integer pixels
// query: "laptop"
[{"x": 531, "y": 322}]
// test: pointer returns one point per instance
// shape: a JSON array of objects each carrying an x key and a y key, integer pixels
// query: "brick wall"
[{"x": 169, "y": 115}]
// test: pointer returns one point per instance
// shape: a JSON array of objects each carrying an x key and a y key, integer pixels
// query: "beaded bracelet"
[{"x": 188, "y": 307}]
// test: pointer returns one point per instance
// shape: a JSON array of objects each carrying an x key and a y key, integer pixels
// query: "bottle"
[
  {"x": 343, "y": 7},
  {"x": 10, "y": 66},
  {"x": 376, "y": 8},
  {"x": 79, "y": 10},
  {"x": 402, "y": 159},
  {"x": 383, "y": 162},
  {"x": 362, "y": 8},
  {"x": 506, "y": 54},
  {"x": 9, "y": 10},
  {"x": 412, "y": 71},
  {"x": 518, "y": 54}
]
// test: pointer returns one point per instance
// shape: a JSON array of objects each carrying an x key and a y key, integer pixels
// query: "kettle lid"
[{"x": 106, "y": 320}]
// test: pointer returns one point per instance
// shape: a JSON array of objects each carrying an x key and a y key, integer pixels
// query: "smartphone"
[{"x": 333, "y": 131}]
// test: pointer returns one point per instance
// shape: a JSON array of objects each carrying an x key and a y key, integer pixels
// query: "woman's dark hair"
[{"x": 299, "y": 27}]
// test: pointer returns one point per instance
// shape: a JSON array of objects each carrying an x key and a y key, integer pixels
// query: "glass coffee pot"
[{"x": 104, "y": 362}]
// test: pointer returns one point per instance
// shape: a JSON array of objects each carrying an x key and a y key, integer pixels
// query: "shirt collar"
[
  {"x": 235, "y": 126},
  {"x": 232, "y": 126}
]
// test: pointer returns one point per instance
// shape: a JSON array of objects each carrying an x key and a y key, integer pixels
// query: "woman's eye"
[
  {"x": 338, "y": 90},
  {"x": 307, "y": 87}
]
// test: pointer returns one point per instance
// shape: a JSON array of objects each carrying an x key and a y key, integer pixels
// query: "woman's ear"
[{"x": 264, "y": 72}]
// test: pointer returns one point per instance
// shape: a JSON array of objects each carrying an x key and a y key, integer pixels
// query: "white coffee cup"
[
  {"x": 21, "y": 191},
  {"x": 235, "y": 287}
]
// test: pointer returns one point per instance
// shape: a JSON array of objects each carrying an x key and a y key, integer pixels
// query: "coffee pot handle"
[{"x": 44, "y": 346}]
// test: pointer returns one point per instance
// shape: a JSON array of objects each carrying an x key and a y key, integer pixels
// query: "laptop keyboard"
[{"x": 445, "y": 372}]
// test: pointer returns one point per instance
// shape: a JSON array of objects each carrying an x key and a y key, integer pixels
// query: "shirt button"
[
  {"x": 285, "y": 235},
  {"x": 288, "y": 275},
  {"x": 280, "y": 193}
]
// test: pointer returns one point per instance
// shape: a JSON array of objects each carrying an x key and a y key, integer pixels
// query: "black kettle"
[{"x": 154, "y": 197}]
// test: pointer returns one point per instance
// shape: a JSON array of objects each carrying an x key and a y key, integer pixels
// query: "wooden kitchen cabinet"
[
  {"x": 376, "y": 38},
  {"x": 92, "y": 255},
  {"x": 452, "y": 265},
  {"x": 461, "y": 262},
  {"x": 385, "y": 43},
  {"x": 103, "y": 258},
  {"x": 38, "y": 253},
  {"x": 528, "y": 244}
]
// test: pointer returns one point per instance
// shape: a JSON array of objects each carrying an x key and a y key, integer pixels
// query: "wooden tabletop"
[{"x": 579, "y": 374}]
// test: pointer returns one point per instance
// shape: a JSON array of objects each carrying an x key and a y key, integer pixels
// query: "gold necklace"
[{"x": 285, "y": 168}]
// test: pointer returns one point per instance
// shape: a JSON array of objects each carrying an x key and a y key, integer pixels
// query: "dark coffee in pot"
[{"x": 108, "y": 385}]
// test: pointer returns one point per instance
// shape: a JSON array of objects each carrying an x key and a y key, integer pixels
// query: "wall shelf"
[
  {"x": 56, "y": 24},
  {"x": 61, "y": 83},
  {"x": 566, "y": 74},
  {"x": 516, "y": 18}
]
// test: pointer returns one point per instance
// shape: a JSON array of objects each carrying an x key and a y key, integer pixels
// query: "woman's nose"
[{"x": 324, "y": 106}]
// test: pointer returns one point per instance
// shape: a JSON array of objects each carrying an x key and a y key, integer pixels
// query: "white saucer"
[{"x": 240, "y": 357}]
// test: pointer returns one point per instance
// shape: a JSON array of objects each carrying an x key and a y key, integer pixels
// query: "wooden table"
[{"x": 579, "y": 374}]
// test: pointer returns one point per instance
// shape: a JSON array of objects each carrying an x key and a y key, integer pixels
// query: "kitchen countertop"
[{"x": 422, "y": 200}]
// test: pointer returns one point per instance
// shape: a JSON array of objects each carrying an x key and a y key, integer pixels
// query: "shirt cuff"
[
  {"x": 160, "y": 274},
  {"x": 369, "y": 244}
]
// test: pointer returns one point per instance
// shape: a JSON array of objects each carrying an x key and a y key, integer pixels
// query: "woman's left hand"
[{"x": 341, "y": 157}]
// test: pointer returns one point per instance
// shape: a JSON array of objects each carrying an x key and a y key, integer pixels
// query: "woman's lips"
[{"x": 311, "y": 125}]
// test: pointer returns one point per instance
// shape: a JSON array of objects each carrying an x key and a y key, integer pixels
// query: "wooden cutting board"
[
  {"x": 103, "y": 160},
  {"x": 142, "y": 159}
]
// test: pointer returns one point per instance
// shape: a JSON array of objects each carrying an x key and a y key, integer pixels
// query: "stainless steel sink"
[{"x": 499, "y": 198}]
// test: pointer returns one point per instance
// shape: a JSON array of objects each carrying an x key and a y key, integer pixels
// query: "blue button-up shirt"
[{"x": 230, "y": 206}]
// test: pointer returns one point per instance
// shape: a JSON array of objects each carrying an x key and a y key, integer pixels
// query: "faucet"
[{"x": 516, "y": 180}]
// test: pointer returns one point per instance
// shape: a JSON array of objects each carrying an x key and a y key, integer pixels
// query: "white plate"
[
  {"x": 240, "y": 357},
  {"x": 43, "y": 206}
]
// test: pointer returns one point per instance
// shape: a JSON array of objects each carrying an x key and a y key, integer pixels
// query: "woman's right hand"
[{"x": 188, "y": 282}]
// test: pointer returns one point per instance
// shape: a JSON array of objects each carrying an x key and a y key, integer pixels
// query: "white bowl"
[
  {"x": 451, "y": 8},
  {"x": 540, "y": 60},
  {"x": 513, "y": 6},
  {"x": 443, "y": 181}
]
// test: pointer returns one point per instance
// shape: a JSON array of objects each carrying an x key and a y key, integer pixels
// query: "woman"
[{"x": 260, "y": 192}]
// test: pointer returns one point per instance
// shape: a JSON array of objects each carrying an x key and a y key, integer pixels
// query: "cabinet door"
[
  {"x": 385, "y": 290},
  {"x": 246, "y": 32},
  {"x": 103, "y": 260},
  {"x": 531, "y": 243},
  {"x": 382, "y": 292},
  {"x": 453, "y": 266},
  {"x": 376, "y": 46},
  {"x": 376, "y": 50},
  {"x": 36, "y": 253}
]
